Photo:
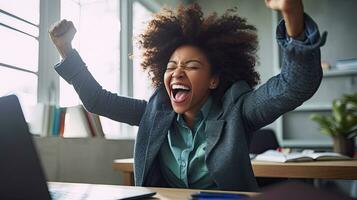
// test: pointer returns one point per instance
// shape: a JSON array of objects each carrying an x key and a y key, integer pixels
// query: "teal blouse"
[{"x": 182, "y": 155}]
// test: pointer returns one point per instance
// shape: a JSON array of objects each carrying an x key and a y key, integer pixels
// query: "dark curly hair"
[{"x": 228, "y": 41}]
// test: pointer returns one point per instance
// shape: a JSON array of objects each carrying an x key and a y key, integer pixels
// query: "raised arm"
[
  {"x": 94, "y": 97},
  {"x": 301, "y": 71}
]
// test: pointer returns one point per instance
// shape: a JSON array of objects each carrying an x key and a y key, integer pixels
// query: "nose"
[{"x": 178, "y": 72}]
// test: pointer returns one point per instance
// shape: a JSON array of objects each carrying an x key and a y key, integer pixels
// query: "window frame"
[
  {"x": 48, "y": 81},
  {"x": 48, "y": 55},
  {"x": 126, "y": 48},
  {"x": 11, "y": 66}
]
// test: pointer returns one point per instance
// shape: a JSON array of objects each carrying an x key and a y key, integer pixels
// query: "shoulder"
[
  {"x": 159, "y": 100},
  {"x": 235, "y": 92}
]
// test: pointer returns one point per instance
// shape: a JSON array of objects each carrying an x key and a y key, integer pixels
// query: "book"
[
  {"x": 76, "y": 124},
  {"x": 56, "y": 121},
  {"x": 37, "y": 118},
  {"x": 347, "y": 64},
  {"x": 95, "y": 124},
  {"x": 90, "y": 123},
  {"x": 45, "y": 122},
  {"x": 276, "y": 156},
  {"x": 51, "y": 119},
  {"x": 61, "y": 123}
]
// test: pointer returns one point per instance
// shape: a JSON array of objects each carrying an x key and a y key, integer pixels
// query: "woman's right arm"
[{"x": 94, "y": 97}]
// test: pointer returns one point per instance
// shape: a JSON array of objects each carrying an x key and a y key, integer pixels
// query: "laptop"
[{"x": 21, "y": 174}]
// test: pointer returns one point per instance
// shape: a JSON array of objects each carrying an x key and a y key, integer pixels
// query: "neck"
[
  {"x": 189, "y": 119},
  {"x": 190, "y": 115}
]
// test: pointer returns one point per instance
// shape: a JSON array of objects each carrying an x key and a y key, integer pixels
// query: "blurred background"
[{"x": 106, "y": 40}]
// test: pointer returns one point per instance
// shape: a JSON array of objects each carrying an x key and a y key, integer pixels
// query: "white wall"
[
  {"x": 260, "y": 16},
  {"x": 86, "y": 160}
]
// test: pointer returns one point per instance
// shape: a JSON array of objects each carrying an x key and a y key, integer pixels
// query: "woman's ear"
[{"x": 214, "y": 82}]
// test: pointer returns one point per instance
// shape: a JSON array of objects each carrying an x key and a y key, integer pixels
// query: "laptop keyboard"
[
  {"x": 64, "y": 192},
  {"x": 62, "y": 195},
  {"x": 77, "y": 191}
]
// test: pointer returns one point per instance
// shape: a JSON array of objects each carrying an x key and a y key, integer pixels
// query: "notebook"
[
  {"x": 21, "y": 174},
  {"x": 275, "y": 156}
]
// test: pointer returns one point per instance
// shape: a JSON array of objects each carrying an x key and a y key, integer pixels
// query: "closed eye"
[
  {"x": 192, "y": 67},
  {"x": 171, "y": 66},
  {"x": 193, "y": 64},
  {"x": 188, "y": 65}
]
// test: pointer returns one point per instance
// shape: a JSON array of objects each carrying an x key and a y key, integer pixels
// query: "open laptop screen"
[{"x": 21, "y": 175}]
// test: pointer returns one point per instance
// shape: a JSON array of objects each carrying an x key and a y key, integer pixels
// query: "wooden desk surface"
[
  {"x": 125, "y": 165},
  {"x": 316, "y": 169},
  {"x": 96, "y": 190}
]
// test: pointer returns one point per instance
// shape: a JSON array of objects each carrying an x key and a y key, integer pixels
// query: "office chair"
[{"x": 262, "y": 140}]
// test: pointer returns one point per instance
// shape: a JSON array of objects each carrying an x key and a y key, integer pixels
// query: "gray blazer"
[{"x": 241, "y": 111}]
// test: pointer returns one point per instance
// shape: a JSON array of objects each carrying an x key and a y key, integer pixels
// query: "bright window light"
[
  {"x": 26, "y": 9},
  {"x": 23, "y": 84},
  {"x": 142, "y": 84},
  {"x": 12, "y": 53},
  {"x": 97, "y": 41},
  {"x": 19, "y": 51}
]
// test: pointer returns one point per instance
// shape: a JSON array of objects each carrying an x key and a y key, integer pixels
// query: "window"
[
  {"x": 141, "y": 82},
  {"x": 19, "y": 31},
  {"x": 27, "y": 54},
  {"x": 98, "y": 33},
  {"x": 97, "y": 41}
]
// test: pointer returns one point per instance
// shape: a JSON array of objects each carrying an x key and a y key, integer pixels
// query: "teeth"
[{"x": 174, "y": 87}]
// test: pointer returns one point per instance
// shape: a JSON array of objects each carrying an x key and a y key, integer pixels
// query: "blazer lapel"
[
  {"x": 213, "y": 131},
  {"x": 213, "y": 127},
  {"x": 158, "y": 132}
]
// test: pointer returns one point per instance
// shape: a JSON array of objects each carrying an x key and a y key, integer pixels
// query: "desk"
[
  {"x": 316, "y": 169},
  {"x": 125, "y": 166},
  {"x": 92, "y": 190}
]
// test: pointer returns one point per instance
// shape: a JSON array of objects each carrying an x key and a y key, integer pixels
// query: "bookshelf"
[{"x": 295, "y": 129}]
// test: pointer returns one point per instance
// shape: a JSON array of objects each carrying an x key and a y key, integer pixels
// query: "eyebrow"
[{"x": 188, "y": 61}]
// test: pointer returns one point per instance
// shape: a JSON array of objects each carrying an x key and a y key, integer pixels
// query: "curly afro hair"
[{"x": 228, "y": 41}]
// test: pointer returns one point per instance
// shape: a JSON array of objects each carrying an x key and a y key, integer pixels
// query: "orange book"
[{"x": 62, "y": 120}]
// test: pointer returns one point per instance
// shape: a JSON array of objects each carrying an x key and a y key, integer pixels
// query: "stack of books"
[{"x": 74, "y": 122}]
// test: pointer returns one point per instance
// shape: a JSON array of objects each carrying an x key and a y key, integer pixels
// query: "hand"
[
  {"x": 284, "y": 5},
  {"x": 62, "y": 34},
  {"x": 293, "y": 13}
]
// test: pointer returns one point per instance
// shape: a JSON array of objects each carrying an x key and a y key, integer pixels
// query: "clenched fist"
[
  {"x": 284, "y": 5},
  {"x": 293, "y": 13},
  {"x": 62, "y": 34}
]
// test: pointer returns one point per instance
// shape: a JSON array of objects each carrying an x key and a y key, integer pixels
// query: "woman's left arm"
[{"x": 301, "y": 73}]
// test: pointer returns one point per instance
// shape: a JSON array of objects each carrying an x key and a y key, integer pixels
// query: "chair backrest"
[{"x": 263, "y": 140}]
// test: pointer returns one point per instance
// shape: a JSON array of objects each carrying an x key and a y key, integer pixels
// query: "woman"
[{"x": 195, "y": 129}]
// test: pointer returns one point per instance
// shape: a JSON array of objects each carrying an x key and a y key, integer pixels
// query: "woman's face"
[{"x": 188, "y": 79}]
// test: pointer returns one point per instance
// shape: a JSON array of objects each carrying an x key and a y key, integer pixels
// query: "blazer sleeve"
[
  {"x": 96, "y": 99},
  {"x": 298, "y": 80}
]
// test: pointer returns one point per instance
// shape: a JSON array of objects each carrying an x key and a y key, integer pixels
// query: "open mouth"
[{"x": 180, "y": 92}]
